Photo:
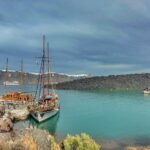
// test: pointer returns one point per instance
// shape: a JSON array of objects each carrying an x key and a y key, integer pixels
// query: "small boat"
[
  {"x": 46, "y": 104},
  {"x": 147, "y": 90},
  {"x": 15, "y": 96},
  {"x": 10, "y": 83}
]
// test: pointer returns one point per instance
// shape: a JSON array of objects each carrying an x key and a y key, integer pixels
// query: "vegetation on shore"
[
  {"x": 80, "y": 142},
  {"x": 37, "y": 139}
]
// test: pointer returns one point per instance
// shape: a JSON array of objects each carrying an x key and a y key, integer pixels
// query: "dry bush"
[{"x": 28, "y": 142}]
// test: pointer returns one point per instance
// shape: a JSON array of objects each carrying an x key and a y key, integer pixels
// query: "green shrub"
[
  {"x": 54, "y": 145},
  {"x": 80, "y": 142}
]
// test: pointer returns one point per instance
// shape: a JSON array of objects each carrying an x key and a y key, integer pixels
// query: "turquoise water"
[{"x": 102, "y": 114}]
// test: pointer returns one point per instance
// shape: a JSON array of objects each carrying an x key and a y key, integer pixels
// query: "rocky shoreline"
[
  {"x": 32, "y": 138},
  {"x": 9, "y": 114},
  {"x": 37, "y": 139},
  {"x": 26, "y": 139},
  {"x": 125, "y": 144}
]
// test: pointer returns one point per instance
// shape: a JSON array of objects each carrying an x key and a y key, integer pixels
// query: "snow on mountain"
[
  {"x": 4, "y": 70},
  {"x": 64, "y": 74},
  {"x": 72, "y": 75}
]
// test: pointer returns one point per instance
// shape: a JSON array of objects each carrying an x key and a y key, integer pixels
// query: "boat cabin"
[{"x": 147, "y": 89}]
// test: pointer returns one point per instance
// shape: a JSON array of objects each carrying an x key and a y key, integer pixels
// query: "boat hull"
[
  {"x": 42, "y": 116},
  {"x": 146, "y": 92}
]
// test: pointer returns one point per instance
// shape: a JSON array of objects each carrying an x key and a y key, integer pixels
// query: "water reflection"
[{"x": 146, "y": 94}]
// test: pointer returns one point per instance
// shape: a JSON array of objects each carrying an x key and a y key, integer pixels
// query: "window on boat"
[{"x": 42, "y": 115}]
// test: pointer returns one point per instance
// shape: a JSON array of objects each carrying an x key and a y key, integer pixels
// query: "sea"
[{"x": 105, "y": 115}]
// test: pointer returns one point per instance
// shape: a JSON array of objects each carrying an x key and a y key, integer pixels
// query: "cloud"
[
  {"x": 113, "y": 66},
  {"x": 96, "y": 37}
]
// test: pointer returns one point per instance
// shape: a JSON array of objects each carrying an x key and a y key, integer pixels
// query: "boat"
[
  {"x": 10, "y": 83},
  {"x": 46, "y": 103},
  {"x": 147, "y": 90},
  {"x": 15, "y": 96}
]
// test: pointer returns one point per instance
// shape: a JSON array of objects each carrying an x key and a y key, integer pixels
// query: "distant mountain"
[
  {"x": 12, "y": 75},
  {"x": 83, "y": 81},
  {"x": 31, "y": 77},
  {"x": 120, "y": 82}
]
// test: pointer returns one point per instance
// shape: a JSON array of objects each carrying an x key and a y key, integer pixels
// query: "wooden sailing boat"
[
  {"x": 47, "y": 105},
  {"x": 16, "y": 96}
]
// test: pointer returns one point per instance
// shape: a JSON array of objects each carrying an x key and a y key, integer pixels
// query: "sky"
[{"x": 96, "y": 37}]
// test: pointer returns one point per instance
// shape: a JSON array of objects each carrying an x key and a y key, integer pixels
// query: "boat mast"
[
  {"x": 48, "y": 66},
  {"x": 21, "y": 76},
  {"x": 6, "y": 72},
  {"x": 50, "y": 81},
  {"x": 43, "y": 67}
]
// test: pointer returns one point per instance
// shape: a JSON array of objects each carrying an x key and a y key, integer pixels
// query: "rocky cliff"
[{"x": 124, "y": 82}]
